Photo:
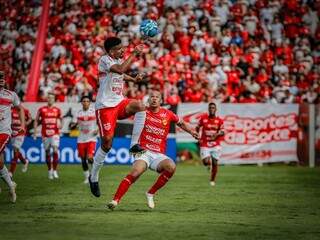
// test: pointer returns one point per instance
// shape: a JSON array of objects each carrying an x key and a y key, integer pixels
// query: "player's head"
[
  {"x": 51, "y": 98},
  {"x": 113, "y": 47},
  {"x": 85, "y": 101},
  {"x": 212, "y": 108},
  {"x": 155, "y": 99},
  {"x": 2, "y": 79}
]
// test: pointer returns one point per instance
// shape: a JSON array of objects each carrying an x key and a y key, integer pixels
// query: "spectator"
[{"x": 205, "y": 49}]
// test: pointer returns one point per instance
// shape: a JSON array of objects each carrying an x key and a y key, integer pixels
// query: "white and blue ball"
[{"x": 149, "y": 28}]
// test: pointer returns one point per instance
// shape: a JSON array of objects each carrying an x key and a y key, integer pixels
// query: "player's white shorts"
[
  {"x": 152, "y": 159},
  {"x": 53, "y": 141},
  {"x": 215, "y": 152},
  {"x": 17, "y": 141}
]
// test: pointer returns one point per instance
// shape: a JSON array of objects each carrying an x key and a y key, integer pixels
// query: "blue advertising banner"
[{"x": 68, "y": 154}]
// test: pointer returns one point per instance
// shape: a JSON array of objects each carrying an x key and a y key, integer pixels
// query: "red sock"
[
  {"x": 55, "y": 160},
  {"x": 48, "y": 161},
  {"x": 22, "y": 158},
  {"x": 214, "y": 171},
  {"x": 123, "y": 187},
  {"x": 13, "y": 164},
  {"x": 161, "y": 181}
]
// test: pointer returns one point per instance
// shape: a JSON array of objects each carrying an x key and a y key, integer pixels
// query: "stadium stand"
[
  {"x": 18, "y": 31},
  {"x": 232, "y": 51}
]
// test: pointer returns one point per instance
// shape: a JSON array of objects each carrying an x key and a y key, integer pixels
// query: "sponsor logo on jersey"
[
  {"x": 152, "y": 139},
  {"x": 50, "y": 120},
  {"x": 153, "y": 147},
  {"x": 163, "y": 115},
  {"x": 154, "y": 119},
  {"x": 215, "y": 126},
  {"x": 107, "y": 126},
  {"x": 164, "y": 122},
  {"x": 155, "y": 130},
  {"x": 117, "y": 80}
]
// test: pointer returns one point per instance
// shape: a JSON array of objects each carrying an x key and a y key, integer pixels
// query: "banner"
[
  {"x": 68, "y": 154},
  {"x": 254, "y": 133}
]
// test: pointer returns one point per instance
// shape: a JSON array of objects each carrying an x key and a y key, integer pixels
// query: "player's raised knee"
[
  {"x": 137, "y": 106},
  {"x": 170, "y": 167}
]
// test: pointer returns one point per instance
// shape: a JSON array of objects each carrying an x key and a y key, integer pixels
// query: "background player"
[
  {"x": 153, "y": 139},
  {"x": 7, "y": 100},
  {"x": 111, "y": 104},
  {"x": 51, "y": 121},
  {"x": 211, "y": 134},
  {"x": 86, "y": 122},
  {"x": 18, "y": 139}
]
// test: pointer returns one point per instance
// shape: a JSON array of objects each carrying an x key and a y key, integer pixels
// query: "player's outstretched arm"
[
  {"x": 35, "y": 125},
  {"x": 60, "y": 123},
  {"x": 22, "y": 117},
  {"x": 136, "y": 79},
  {"x": 28, "y": 118},
  {"x": 188, "y": 129},
  {"x": 198, "y": 127},
  {"x": 124, "y": 67}
]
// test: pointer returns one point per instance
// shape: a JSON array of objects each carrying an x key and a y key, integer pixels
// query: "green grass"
[{"x": 248, "y": 202}]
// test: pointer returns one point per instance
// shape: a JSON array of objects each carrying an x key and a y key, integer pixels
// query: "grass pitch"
[{"x": 248, "y": 202}]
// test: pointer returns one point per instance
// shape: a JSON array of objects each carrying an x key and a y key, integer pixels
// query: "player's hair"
[
  {"x": 84, "y": 97},
  {"x": 212, "y": 103},
  {"x": 111, "y": 42},
  {"x": 52, "y": 94}
]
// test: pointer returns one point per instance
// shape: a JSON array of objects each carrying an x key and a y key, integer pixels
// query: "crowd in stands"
[
  {"x": 238, "y": 51},
  {"x": 19, "y": 21}
]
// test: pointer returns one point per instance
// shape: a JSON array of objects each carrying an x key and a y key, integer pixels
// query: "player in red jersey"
[
  {"x": 110, "y": 103},
  {"x": 211, "y": 128},
  {"x": 153, "y": 139},
  {"x": 7, "y": 100},
  {"x": 86, "y": 122},
  {"x": 51, "y": 121},
  {"x": 17, "y": 139}
]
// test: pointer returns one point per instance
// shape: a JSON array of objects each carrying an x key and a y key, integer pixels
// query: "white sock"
[
  {"x": 97, "y": 164},
  {"x": 5, "y": 176},
  {"x": 86, "y": 174},
  {"x": 139, "y": 120}
]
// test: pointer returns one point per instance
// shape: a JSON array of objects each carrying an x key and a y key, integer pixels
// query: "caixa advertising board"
[{"x": 68, "y": 153}]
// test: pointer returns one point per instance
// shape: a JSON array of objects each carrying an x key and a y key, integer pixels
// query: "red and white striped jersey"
[
  {"x": 50, "y": 117},
  {"x": 156, "y": 129},
  {"x": 7, "y": 100},
  {"x": 110, "y": 92},
  {"x": 16, "y": 123},
  {"x": 87, "y": 125}
]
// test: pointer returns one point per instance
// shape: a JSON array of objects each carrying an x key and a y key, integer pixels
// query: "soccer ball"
[{"x": 149, "y": 28}]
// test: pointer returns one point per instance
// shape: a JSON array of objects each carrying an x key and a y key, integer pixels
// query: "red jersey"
[
  {"x": 16, "y": 123},
  {"x": 156, "y": 129},
  {"x": 49, "y": 117},
  {"x": 210, "y": 126}
]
